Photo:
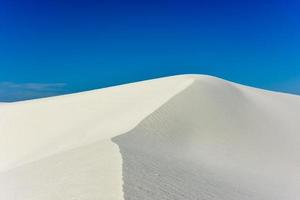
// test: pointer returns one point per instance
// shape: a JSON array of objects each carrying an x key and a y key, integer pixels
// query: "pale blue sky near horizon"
[{"x": 55, "y": 47}]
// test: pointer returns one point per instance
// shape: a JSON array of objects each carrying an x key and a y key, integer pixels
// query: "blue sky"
[{"x": 62, "y": 46}]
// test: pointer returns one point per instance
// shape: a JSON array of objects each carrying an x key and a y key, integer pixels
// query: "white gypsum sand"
[{"x": 181, "y": 137}]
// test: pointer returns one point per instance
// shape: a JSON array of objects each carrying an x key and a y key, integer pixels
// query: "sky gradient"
[{"x": 64, "y": 46}]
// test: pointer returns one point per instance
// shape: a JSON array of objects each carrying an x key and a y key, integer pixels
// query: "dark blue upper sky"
[{"x": 50, "y": 47}]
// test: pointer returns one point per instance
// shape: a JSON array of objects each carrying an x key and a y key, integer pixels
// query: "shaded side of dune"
[{"x": 175, "y": 153}]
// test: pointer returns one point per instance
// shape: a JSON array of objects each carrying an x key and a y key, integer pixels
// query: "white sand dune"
[{"x": 182, "y": 137}]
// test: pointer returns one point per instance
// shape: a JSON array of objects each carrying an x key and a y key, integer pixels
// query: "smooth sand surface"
[{"x": 181, "y": 137}]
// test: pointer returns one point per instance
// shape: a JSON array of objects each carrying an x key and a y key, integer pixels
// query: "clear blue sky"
[{"x": 50, "y": 47}]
